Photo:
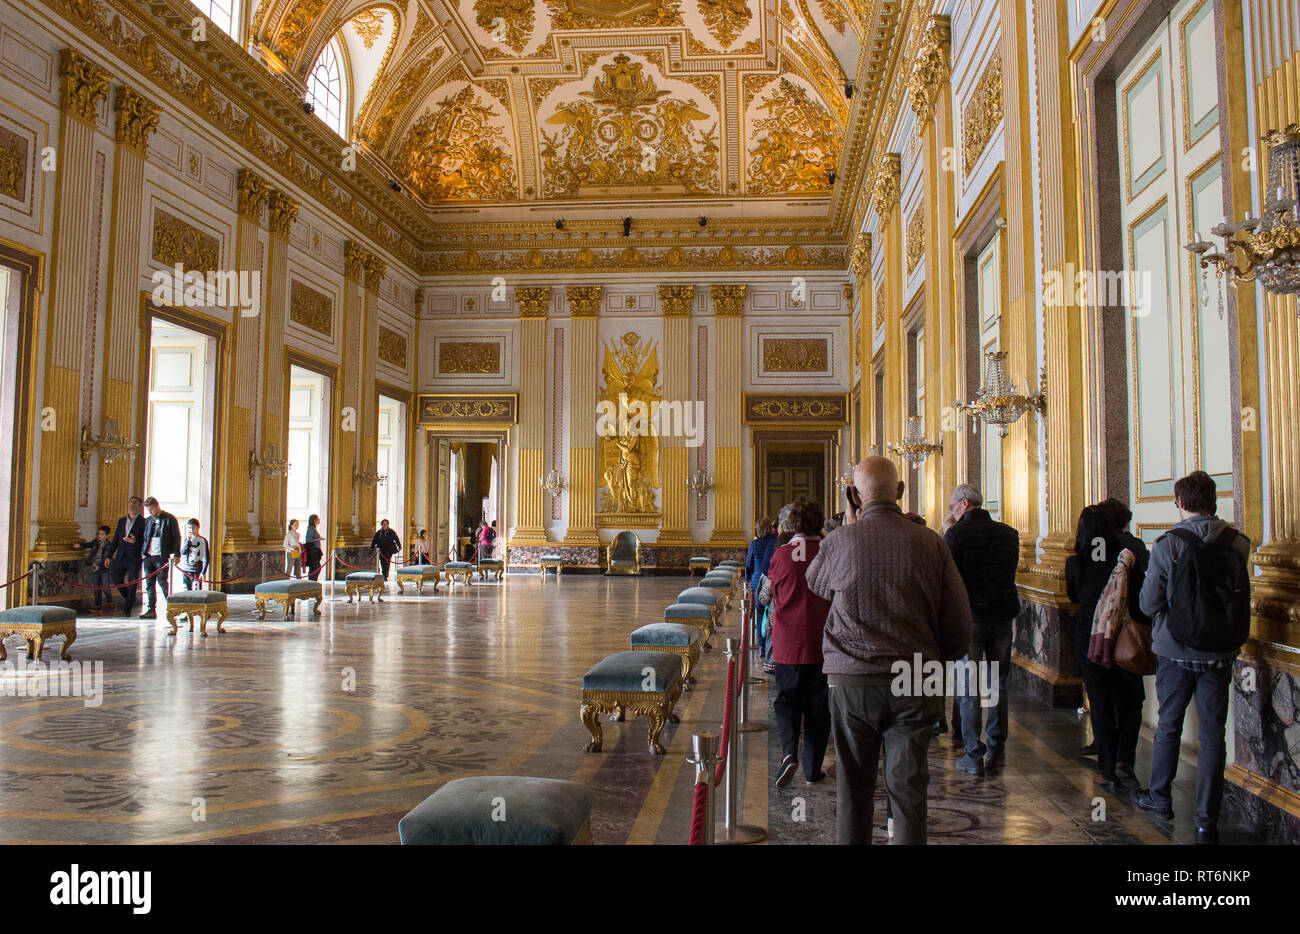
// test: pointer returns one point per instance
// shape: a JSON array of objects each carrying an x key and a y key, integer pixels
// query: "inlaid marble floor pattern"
[{"x": 329, "y": 730}]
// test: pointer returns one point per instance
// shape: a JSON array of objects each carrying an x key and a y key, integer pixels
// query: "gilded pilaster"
[
  {"x": 83, "y": 85},
  {"x": 282, "y": 213},
  {"x": 885, "y": 200},
  {"x": 136, "y": 119},
  {"x": 534, "y": 303},
  {"x": 584, "y": 306},
  {"x": 368, "y": 429},
  {"x": 675, "y": 301},
  {"x": 728, "y": 479},
  {"x": 348, "y": 409},
  {"x": 860, "y": 267}
]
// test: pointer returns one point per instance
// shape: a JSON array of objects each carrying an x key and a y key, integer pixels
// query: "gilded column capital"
[
  {"x": 930, "y": 69},
  {"x": 584, "y": 300},
  {"x": 676, "y": 300},
  {"x": 137, "y": 118},
  {"x": 728, "y": 300},
  {"x": 419, "y": 301},
  {"x": 848, "y": 295},
  {"x": 284, "y": 211},
  {"x": 354, "y": 261},
  {"x": 885, "y": 190},
  {"x": 253, "y": 193},
  {"x": 860, "y": 258},
  {"x": 534, "y": 301},
  {"x": 376, "y": 270},
  {"x": 84, "y": 85}
]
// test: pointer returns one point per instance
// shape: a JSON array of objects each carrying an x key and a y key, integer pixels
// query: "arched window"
[
  {"x": 327, "y": 90},
  {"x": 221, "y": 12}
]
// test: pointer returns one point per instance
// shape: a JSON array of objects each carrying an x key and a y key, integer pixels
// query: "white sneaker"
[{"x": 889, "y": 828}]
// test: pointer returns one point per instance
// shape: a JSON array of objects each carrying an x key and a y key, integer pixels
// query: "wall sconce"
[
  {"x": 269, "y": 466},
  {"x": 699, "y": 483},
  {"x": 914, "y": 448},
  {"x": 999, "y": 403},
  {"x": 110, "y": 446},
  {"x": 552, "y": 483},
  {"x": 846, "y": 478},
  {"x": 367, "y": 477}
]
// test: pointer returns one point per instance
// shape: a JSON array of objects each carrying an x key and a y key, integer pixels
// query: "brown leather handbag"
[{"x": 1133, "y": 647}]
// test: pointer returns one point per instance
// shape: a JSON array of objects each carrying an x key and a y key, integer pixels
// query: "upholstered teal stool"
[
  {"x": 710, "y": 596},
  {"x": 730, "y": 563},
  {"x": 506, "y": 810},
  {"x": 721, "y": 584},
  {"x": 554, "y": 562},
  {"x": 288, "y": 593},
  {"x": 370, "y": 583},
  {"x": 635, "y": 682},
  {"x": 418, "y": 575},
  {"x": 495, "y": 566},
  {"x": 724, "y": 578},
  {"x": 461, "y": 571},
  {"x": 678, "y": 638},
  {"x": 36, "y": 624},
  {"x": 205, "y": 604},
  {"x": 699, "y": 615},
  {"x": 700, "y": 564}
]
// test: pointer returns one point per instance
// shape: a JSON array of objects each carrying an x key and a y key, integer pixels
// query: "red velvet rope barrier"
[
  {"x": 699, "y": 812},
  {"x": 355, "y": 567},
  {"x": 138, "y": 580},
  {"x": 726, "y": 723},
  {"x": 15, "y": 580}
]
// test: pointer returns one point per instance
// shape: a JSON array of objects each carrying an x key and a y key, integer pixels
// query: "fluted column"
[
  {"x": 584, "y": 306},
  {"x": 283, "y": 211},
  {"x": 885, "y": 200},
  {"x": 860, "y": 267},
  {"x": 368, "y": 410},
  {"x": 348, "y": 397},
  {"x": 245, "y": 339},
  {"x": 84, "y": 84},
  {"x": 728, "y": 478},
  {"x": 676, "y": 302},
  {"x": 534, "y": 302},
  {"x": 136, "y": 118}
]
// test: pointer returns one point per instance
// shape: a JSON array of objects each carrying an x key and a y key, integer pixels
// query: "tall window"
[
  {"x": 221, "y": 12},
  {"x": 326, "y": 90}
]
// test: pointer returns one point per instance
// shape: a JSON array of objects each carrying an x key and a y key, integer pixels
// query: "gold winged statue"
[{"x": 629, "y": 449}]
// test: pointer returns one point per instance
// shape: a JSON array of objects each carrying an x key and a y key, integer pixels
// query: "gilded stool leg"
[
  {"x": 618, "y": 714},
  {"x": 591, "y": 720},
  {"x": 261, "y": 607},
  {"x": 657, "y": 718},
  {"x": 316, "y": 608},
  {"x": 69, "y": 637},
  {"x": 171, "y": 620},
  {"x": 35, "y": 643}
]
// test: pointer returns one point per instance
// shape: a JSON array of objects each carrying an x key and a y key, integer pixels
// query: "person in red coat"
[{"x": 802, "y": 702}]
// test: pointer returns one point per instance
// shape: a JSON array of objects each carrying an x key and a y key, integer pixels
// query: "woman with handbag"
[
  {"x": 293, "y": 550},
  {"x": 1115, "y": 695}
]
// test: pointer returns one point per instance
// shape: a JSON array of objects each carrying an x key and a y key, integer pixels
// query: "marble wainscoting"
[
  {"x": 674, "y": 559},
  {"x": 243, "y": 570},
  {"x": 1042, "y": 656},
  {"x": 1263, "y": 787},
  {"x": 527, "y": 559},
  {"x": 50, "y": 586}
]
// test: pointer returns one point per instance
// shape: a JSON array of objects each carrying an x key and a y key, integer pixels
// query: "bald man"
[{"x": 895, "y": 595}]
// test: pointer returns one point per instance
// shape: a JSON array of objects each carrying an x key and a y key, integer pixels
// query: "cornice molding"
[
  {"x": 137, "y": 118},
  {"x": 83, "y": 84}
]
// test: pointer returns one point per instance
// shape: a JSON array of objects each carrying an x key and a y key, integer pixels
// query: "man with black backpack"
[{"x": 1197, "y": 592}]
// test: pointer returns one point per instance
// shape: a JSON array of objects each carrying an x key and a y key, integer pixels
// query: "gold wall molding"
[
  {"x": 176, "y": 241},
  {"x": 466, "y": 411},
  {"x": 283, "y": 213},
  {"x": 13, "y": 165},
  {"x": 584, "y": 300},
  {"x": 915, "y": 247},
  {"x": 930, "y": 69},
  {"x": 137, "y": 118},
  {"x": 676, "y": 300},
  {"x": 878, "y": 306},
  {"x": 310, "y": 308},
  {"x": 469, "y": 357},
  {"x": 982, "y": 115},
  {"x": 253, "y": 194},
  {"x": 795, "y": 355},
  {"x": 885, "y": 190},
  {"x": 801, "y": 409},
  {"x": 392, "y": 347},
  {"x": 728, "y": 300},
  {"x": 83, "y": 85},
  {"x": 534, "y": 301},
  {"x": 684, "y": 257}
]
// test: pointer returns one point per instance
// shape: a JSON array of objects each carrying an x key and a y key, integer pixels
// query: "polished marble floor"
[{"x": 329, "y": 730}]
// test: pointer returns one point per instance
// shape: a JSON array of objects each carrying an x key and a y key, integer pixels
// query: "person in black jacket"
[
  {"x": 123, "y": 561},
  {"x": 160, "y": 547},
  {"x": 987, "y": 553},
  {"x": 1115, "y": 695},
  {"x": 97, "y": 564},
  {"x": 387, "y": 544}
]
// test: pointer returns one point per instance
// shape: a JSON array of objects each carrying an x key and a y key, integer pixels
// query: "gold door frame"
[{"x": 827, "y": 438}]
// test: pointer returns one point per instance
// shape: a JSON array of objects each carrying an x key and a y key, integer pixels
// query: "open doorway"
[
  {"x": 474, "y": 478},
  {"x": 390, "y": 495},
  {"x": 309, "y": 451},
  {"x": 19, "y": 276}
]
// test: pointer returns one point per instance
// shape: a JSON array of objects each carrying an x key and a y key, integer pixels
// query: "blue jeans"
[
  {"x": 990, "y": 642},
  {"x": 1176, "y": 687}
]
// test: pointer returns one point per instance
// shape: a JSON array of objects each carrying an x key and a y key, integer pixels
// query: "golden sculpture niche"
[{"x": 628, "y": 433}]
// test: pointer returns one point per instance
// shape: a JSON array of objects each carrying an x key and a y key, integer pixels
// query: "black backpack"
[{"x": 1209, "y": 593}]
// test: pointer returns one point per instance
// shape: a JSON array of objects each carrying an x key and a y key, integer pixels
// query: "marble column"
[
  {"x": 675, "y": 302},
  {"x": 137, "y": 118},
  {"x": 584, "y": 365},
  {"x": 728, "y": 477},
  {"x": 282, "y": 213},
  {"x": 534, "y": 303},
  {"x": 83, "y": 85}
]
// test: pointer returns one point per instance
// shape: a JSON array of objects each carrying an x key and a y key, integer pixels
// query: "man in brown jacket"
[{"x": 896, "y": 596}]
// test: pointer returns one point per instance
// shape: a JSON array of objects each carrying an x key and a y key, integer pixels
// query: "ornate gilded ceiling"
[{"x": 496, "y": 110}]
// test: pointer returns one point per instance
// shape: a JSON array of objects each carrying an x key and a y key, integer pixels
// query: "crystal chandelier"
[
  {"x": 914, "y": 448},
  {"x": 699, "y": 483},
  {"x": 110, "y": 447},
  {"x": 552, "y": 483},
  {"x": 999, "y": 402},
  {"x": 1270, "y": 246}
]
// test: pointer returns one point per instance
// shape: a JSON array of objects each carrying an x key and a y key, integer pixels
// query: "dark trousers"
[
  {"x": 102, "y": 579},
  {"x": 863, "y": 719},
  {"x": 1175, "y": 688},
  {"x": 385, "y": 561},
  {"x": 121, "y": 574},
  {"x": 801, "y": 701},
  {"x": 152, "y": 564},
  {"x": 1115, "y": 699},
  {"x": 191, "y": 578},
  {"x": 990, "y": 642},
  {"x": 312, "y": 552}
]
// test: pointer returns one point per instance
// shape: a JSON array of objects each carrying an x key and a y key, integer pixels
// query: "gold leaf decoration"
[
  {"x": 288, "y": 40},
  {"x": 456, "y": 153},
  {"x": 310, "y": 308},
  {"x": 629, "y": 460},
  {"x": 982, "y": 115},
  {"x": 13, "y": 165},
  {"x": 469, "y": 357},
  {"x": 630, "y": 133},
  {"x": 510, "y": 20},
  {"x": 399, "y": 98},
  {"x": 915, "y": 248},
  {"x": 878, "y": 306},
  {"x": 392, "y": 347},
  {"x": 835, "y": 15},
  {"x": 369, "y": 25},
  {"x": 726, "y": 19},
  {"x": 585, "y": 14},
  {"x": 800, "y": 145},
  {"x": 794, "y": 355},
  {"x": 175, "y": 241}
]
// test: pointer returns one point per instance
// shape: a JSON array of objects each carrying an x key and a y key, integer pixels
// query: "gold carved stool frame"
[
  {"x": 657, "y": 705},
  {"x": 287, "y": 600},
  {"x": 204, "y": 611},
  {"x": 35, "y": 634}
]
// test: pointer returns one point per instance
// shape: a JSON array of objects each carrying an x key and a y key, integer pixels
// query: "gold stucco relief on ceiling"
[
  {"x": 457, "y": 152},
  {"x": 585, "y": 14},
  {"x": 507, "y": 21},
  {"x": 726, "y": 19},
  {"x": 798, "y": 142},
  {"x": 629, "y": 133},
  {"x": 369, "y": 25}
]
